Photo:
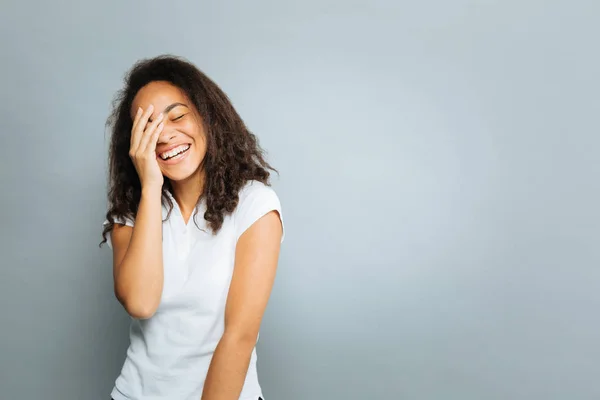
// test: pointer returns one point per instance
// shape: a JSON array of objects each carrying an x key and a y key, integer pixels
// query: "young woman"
[{"x": 195, "y": 230}]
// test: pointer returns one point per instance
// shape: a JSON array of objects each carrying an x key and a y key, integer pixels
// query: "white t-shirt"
[{"x": 170, "y": 353}]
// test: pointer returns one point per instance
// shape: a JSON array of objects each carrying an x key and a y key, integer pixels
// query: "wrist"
[{"x": 151, "y": 190}]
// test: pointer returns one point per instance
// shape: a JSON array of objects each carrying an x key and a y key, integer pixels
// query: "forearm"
[
  {"x": 228, "y": 369},
  {"x": 139, "y": 278}
]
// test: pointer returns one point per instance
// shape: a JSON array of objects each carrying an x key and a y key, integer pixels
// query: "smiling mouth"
[{"x": 167, "y": 155}]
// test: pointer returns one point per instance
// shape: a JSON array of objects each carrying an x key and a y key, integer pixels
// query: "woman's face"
[{"x": 181, "y": 146}]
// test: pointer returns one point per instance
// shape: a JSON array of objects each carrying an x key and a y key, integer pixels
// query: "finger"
[
  {"x": 153, "y": 140},
  {"x": 136, "y": 119},
  {"x": 150, "y": 138},
  {"x": 150, "y": 130},
  {"x": 138, "y": 128},
  {"x": 153, "y": 124}
]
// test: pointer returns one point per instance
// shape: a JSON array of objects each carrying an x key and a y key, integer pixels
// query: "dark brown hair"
[{"x": 233, "y": 156}]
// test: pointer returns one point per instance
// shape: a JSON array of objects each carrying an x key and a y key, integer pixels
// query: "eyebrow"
[
  {"x": 172, "y": 106},
  {"x": 169, "y": 108}
]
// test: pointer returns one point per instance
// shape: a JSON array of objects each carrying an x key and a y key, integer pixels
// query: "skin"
[{"x": 163, "y": 117}]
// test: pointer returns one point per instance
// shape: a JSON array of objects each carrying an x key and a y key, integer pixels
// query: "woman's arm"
[
  {"x": 256, "y": 256},
  {"x": 138, "y": 259},
  {"x": 137, "y": 251}
]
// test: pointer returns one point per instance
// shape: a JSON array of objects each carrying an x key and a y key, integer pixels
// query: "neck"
[{"x": 188, "y": 192}]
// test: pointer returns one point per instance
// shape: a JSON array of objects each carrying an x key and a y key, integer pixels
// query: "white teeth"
[{"x": 172, "y": 153}]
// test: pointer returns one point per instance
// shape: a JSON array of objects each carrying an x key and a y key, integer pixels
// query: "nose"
[{"x": 166, "y": 135}]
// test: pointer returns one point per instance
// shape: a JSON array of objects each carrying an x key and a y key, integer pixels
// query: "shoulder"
[
  {"x": 255, "y": 200},
  {"x": 256, "y": 191},
  {"x": 116, "y": 220}
]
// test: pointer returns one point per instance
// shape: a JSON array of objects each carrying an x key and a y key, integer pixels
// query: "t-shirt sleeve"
[
  {"x": 118, "y": 220},
  {"x": 256, "y": 200}
]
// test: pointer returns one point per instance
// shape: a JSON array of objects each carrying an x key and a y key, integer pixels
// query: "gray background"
[{"x": 439, "y": 176}]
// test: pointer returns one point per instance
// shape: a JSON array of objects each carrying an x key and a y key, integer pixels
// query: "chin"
[{"x": 181, "y": 173}]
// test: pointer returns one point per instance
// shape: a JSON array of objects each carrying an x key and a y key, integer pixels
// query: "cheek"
[
  {"x": 192, "y": 130},
  {"x": 200, "y": 141},
  {"x": 201, "y": 146}
]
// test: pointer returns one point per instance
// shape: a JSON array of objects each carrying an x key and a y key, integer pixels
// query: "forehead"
[{"x": 160, "y": 94}]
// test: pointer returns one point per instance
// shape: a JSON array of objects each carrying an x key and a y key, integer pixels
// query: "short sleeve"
[
  {"x": 255, "y": 200},
  {"x": 122, "y": 221}
]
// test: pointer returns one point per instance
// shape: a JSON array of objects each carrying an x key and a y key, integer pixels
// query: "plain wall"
[{"x": 439, "y": 176}]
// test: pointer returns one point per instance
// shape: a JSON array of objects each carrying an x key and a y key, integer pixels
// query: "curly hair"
[{"x": 233, "y": 156}]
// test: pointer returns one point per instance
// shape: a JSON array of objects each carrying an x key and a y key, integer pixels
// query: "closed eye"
[{"x": 178, "y": 118}]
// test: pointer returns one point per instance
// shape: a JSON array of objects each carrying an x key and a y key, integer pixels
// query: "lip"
[
  {"x": 165, "y": 149},
  {"x": 177, "y": 159}
]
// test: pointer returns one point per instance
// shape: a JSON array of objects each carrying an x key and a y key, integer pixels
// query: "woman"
[{"x": 195, "y": 230}]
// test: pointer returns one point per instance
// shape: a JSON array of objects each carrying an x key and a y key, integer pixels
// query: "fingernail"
[{"x": 139, "y": 110}]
